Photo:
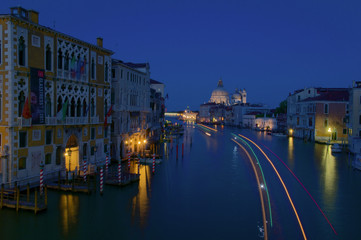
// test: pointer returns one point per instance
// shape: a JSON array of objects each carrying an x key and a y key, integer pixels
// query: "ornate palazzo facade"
[{"x": 54, "y": 98}]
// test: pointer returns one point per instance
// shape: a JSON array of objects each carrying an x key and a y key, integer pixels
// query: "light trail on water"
[
  {"x": 213, "y": 129},
  {"x": 283, "y": 184},
  {"x": 259, "y": 189},
  {"x": 264, "y": 180},
  {"x": 319, "y": 208}
]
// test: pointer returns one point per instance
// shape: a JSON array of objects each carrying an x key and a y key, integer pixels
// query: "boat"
[
  {"x": 336, "y": 148},
  {"x": 279, "y": 135}
]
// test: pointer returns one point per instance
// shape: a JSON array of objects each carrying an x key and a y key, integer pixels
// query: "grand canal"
[{"x": 209, "y": 193}]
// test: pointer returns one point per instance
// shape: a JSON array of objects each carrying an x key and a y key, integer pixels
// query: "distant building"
[
  {"x": 317, "y": 114},
  {"x": 220, "y": 95},
  {"x": 353, "y": 119},
  {"x": 158, "y": 87}
]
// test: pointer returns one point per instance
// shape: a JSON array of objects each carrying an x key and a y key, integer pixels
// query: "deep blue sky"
[{"x": 270, "y": 48}]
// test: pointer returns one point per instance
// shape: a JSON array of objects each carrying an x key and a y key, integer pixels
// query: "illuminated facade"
[
  {"x": 318, "y": 114},
  {"x": 131, "y": 115},
  {"x": 55, "y": 93}
]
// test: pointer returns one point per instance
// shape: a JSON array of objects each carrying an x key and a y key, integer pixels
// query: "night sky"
[{"x": 270, "y": 48}]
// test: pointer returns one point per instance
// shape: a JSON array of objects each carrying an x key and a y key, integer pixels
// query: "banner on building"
[{"x": 37, "y": 96}]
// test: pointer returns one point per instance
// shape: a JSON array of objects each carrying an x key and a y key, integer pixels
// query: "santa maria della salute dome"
[{"x": 221, "y": 96}]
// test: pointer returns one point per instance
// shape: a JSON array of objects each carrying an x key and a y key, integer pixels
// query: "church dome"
[
  {"x": 236, "y": 97},
  {"x": 219, "y": 95}
]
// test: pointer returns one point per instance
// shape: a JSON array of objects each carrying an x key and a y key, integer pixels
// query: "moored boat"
[{"x": 336, "y": 148}]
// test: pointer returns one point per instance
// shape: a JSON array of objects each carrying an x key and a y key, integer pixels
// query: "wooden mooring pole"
[
  {"x": 36, "y": 201},
  {"x": 2, "y": 195},
  {"x": 17, "y": 198}
]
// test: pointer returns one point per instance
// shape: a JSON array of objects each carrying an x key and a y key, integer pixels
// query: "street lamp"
[{"x": 329, "y": 130}]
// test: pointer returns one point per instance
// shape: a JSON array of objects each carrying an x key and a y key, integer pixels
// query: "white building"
[
  {"x": 354, "y": 118},
  {"x": 131, "y": 107}
]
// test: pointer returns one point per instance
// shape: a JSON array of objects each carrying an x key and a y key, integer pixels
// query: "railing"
[
  {"x": 23, "y": 122},
  {"x": 94, "y": 120},
  {"x": 50, "y": 120}
]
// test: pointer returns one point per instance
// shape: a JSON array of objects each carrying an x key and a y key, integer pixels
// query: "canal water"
[{"x": 209, "y": 193}]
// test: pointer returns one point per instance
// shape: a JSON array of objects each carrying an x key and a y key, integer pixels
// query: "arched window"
[
  {"x": 84, "y": 108},
  {"x": 48, "y": 58},
  {"x": 67, "y": 106},
  {"x": 48, "y": 106},
  {"x": 21, "y": 103},
  {"x": 93, "y": 69},
  {"x": 66, "y": 61},
  {"x": 60, "y": 104},
  {"x": 78, "y": 108},
  {"x": 92, "y": 107},
  {"x": 21, "y": 51},
  {"x": 60, "y": 59},
  {"x": 106, "y": 72},
  {"x": 72, "y": 108}
]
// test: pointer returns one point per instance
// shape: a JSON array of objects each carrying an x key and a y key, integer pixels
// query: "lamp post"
[
  {"x": 329, "y": 130},
  {"x": 69, "y": 157}
]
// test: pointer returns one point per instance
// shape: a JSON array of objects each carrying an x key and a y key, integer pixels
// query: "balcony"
[
  {"x": 94, "y": 120},
  {"x": 23, "y": 122},
  {"x": 50, "y": 121}
]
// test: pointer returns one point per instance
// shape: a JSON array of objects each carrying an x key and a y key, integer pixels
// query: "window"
[
  {"x": 23, "y": 139},
  {"x": 105, "y": 148},
  {"x": 85, "y": 110},
  {"x": 92, "y": 133},
  {"x": 35, "y": 41},
  {"x": 78, "y": 108},
  {"x": 58, "y": 156},
  {"x": 48, "y": 106},
  {"x": 84, "y": 149},
  {"x": 22, "y": 163},
  {"x": 326, "y": 122},
  {"x": 72, "y": 108},
  {"x": 344, "y": 131},
  {"x": 298, "y": 121},
  {"x": 113, "y": 73},
  {"x": 92, "y": 151},
  {"x": 60, "y": 59},
  {"x": 21, "y": 103},
  {"x": 48, "y": 137},
  {"x": 106, "y": 70},
  {"x": 93, "y": 68},
  {"x": 326, "y": 108},
  {"x": 310, "y": 122},
  {"x": 48, "y": 58},
  {"x": 48, "y": 158},
  {"x": 298, "y": 98},
  {"x": 92, "y": 107},
  {"x": 21, "y": 51},
  {"x": 66, "y": 61}
]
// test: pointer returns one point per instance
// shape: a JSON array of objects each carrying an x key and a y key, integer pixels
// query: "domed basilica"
[{"x": 221, "y": 96}]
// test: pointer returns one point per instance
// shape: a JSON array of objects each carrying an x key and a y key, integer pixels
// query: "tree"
[{"x": 282, "y": 108}]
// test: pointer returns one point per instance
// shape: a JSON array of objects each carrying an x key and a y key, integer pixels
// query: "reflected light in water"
[
  {"x": 291, "y": 152},
  {"x": 140, "y": 203},
  {"x": 330, "y": 175},
  {"x": 69, "y": 211}
]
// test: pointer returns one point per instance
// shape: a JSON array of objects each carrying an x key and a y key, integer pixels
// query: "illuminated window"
[{"x": 22, "y": 163}]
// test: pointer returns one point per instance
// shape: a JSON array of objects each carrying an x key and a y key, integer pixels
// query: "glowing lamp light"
[
  {"x": 329, "y": 130},
  {"x": 145, "y": 141},
  {"x": 139, "y": 142}
]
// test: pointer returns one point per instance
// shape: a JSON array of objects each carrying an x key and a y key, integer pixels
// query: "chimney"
[
  {"x": 33, "y": 16},
  {"x": 100, "y": 42}
]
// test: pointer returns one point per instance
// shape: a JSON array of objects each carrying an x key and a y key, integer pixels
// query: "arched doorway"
[{"x": 72, "y": 154}]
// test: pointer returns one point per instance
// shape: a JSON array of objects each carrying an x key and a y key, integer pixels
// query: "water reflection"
[
  {"x": 291, "y": 152},
  {"x": 140, "y": 203},
  {"x": 329, "y": 176},
  {"x": 69, "y": 212}
]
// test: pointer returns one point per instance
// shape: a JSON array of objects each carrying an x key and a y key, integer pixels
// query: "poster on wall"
[{"x": 37, "y": 101}]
